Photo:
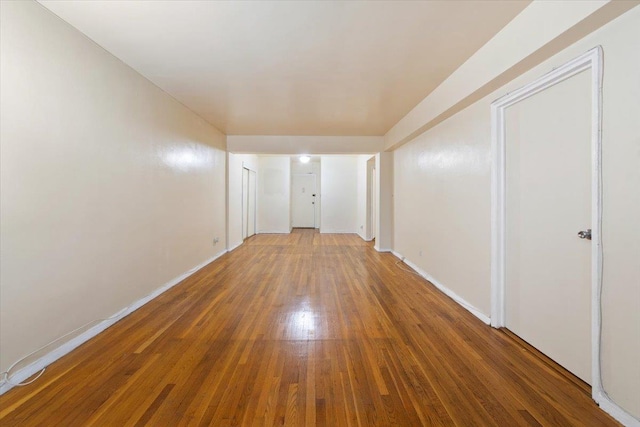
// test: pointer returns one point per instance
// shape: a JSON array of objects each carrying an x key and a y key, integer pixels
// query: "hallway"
[{"x": 301, "y": 329}]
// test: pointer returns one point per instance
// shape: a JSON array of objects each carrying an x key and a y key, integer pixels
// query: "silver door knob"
[{"x": 585, "y": 234}]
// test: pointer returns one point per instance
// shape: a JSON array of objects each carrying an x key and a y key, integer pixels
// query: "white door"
[
  {"x": 548, "y": 201},
  {"x": 245, "y": 199},
  {"x": 251, "y": 203},
  {"x": 303, "y": 198}
]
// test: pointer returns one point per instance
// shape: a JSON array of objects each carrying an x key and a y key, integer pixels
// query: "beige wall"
[
  {"x": 442, "y": 204},
  {"x": 384, "y": 201},
  {"x": 274, "y": 194},
  {"x": 363, "y": 212},
  {"x": 339, "y": 195},
  {"x": 110, "y": 188},
  {"x": 621, "y": 211},
  {"x": 442, "y": 201},
  {"x": 541, "y": 30}
]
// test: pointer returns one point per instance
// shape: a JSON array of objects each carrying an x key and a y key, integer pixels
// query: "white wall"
[
  {"x": 109, "y": 187},
  {"x": 312, "y": 167},
  {"x": 274, "y": 194},
  {"x": 338, "y": 191},
  {"x": 384, "y": 201},
  {"x": 339, "y": 194},
  {"x": 362, "y": 196},
  {"x": 235, "y": 164},
  {"x": 442, "y": 201},
  {"x": 372, "y": 204},
  {"x": 341, "y": 200}
]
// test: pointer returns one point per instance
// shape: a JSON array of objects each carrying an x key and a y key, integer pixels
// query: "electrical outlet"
[
  {"x": 362, "y": 227},
  {"x": 420, "y": 252},
  {"x": 216, "y": 240}
]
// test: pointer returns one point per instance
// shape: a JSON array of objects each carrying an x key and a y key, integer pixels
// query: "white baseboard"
[
  {"x": 604, "y": 401},
  {"x": 364, "y": 238},
  {"x": 55, "y": 354},
  {"x": 338, "y": 231},
  {"x": 274, "y": 232},
  {"x": 611, "y": 408},
  {"x": 235, "y": 246},
  {"x": 379, "y": 249},
  {"x": 457, "y": 298}
]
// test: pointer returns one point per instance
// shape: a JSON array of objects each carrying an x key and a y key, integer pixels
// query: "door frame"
[
  {"x": 244, "y": 195},
  {"x": 255, "y": 202},
  {"x": 374, "y": 202},
  {"x": 371, "y": 200},
  {"x": 245, "y": 203},
  {"x": 591, "y": 60}
]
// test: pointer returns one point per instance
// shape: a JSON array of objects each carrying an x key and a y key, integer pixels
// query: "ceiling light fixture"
[{"x": 304, "y": 159}]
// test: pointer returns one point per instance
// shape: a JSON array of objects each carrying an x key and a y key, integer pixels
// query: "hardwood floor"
[{"x": 302, "y": 329}]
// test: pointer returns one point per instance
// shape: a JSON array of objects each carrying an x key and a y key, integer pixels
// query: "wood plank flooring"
[{"x": 302, "y": 329}]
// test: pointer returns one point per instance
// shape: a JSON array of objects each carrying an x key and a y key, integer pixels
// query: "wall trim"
[
  {"x": 379, "y": 249},
  {"x": 235, "y": 246},
  {"x": 619, "y": 414},
  {"x": 334, "y": 231},
  {"x": 364, "y": 238},
  {"x": 68, "y": 346},
  {"x": 590, "y": 60},
  {"x": 448, "y": 292},
  {"x": 274, "y": 232},
  {"x": 247, "y": 165}
]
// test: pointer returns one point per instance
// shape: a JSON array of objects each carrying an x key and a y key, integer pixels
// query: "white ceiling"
[{"x": 293, "y": 68}]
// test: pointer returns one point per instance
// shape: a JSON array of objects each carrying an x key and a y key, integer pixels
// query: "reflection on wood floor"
[{"x": 302, "y": 329}]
